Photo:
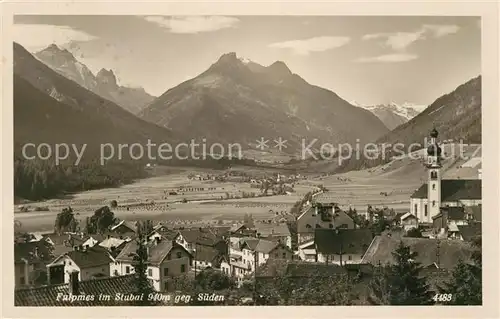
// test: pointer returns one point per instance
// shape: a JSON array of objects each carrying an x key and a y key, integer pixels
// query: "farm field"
[{"x": 211, "y": 201}]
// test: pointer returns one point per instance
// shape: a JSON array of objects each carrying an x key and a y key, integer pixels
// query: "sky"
[{"x": 367, "y": 59}]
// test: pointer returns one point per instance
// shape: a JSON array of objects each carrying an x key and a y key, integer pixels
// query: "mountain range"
[
  {"x": 456, "y": 116},
  {"x": 237, "y": 100},
  {"x": 393, "y": 114},
  {"x": 104, "y": 83},
  {"x": 234, "y": 100},
  {"x": 50, "y": 108}
]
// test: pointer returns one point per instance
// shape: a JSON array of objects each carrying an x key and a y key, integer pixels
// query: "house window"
[
  {"x": 165, "y": 271},
  {"x": 165, "y": 285},
  {"x": 127, "y": 270},
  {"x": 115, "y": 273},
  {"x": 433, "y": 175},
  {"x": 169, "y": 256},
  {"x": 433, "y": 186},
  {"x": 284, "y": 255},
  {"x": 433, "y": 203},
  {"x": 150, "y": 272},
  {"x": 179, "y": 254},
  {"x": 425, "y": 211},
  {"x": 331, "y": 225},
  {"x": 333, "y": 257},
  {"x": 23, "y": 280},
  {"x": 350, "y": 257},
  {"x": 183, "y": 268},
  {"x": 416, "y": 209}
]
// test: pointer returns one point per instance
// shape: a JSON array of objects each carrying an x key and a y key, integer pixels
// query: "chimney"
[{"x": 74, "y": 284}]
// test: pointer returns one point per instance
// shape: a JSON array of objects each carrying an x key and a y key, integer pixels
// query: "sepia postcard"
[{"x": 250, "y": 159}]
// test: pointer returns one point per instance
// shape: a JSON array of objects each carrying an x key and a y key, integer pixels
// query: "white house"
[
  {"x": 167, "y": 260},
  {"x": 307, "y": 251},
  {"x": 345, "y": 246},
  {"x": 91, "y": 263}
]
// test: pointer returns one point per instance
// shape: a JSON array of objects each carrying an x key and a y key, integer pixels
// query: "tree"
[
  {"x": 65, "y": 221},
  {"x": 145, "y": 226},
  {"x": 142, "y": 283},
  {"x": 102, "y": 219},
  {"x": 406, "y": 285},
  {"x": 465, "y": 284},
  {"x": 379, "y": 289},
  {"x": 113, "y": 204}
]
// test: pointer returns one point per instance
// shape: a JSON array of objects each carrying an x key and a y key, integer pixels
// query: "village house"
[
  {"x": 274, "y": 231},
  {"x": 207, "y": 257},
  {"x": 206, "y": 237},
  {"x": 449, "y": 218},
  {"x": 426, "y": 201},
  {"x": 125, "y": 228},
  {"x": 406, "y": 221},
  {"x": 341, "y": 246},
  {"x": 321, "y": 215},
  {"x": 444, "y": 253},
  {"x": 167, "y": 260},
  {"x": 469, "y": 232},
  {"x": 163, "y": 233},
  {"x": 113, "y": 245},
  {"x": 307, "y": 251},
  {"x": 90, "y": 262},
  {"x": 30, "y": 259}
]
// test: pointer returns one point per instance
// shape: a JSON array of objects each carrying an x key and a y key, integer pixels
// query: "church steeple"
[{"x": 434, "y": 179}]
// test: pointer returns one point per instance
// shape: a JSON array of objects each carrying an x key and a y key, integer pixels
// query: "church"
[{"x": 427, "y": 200}]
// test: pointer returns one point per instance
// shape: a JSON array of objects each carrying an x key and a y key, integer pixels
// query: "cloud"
[
  {"x": 194, "y": 24},
  {"x": 388, "y": 58},
  {"x": 35, "y": 37},
  {"x": 441, "y": 30},
  {"x": 316, "y": 44},
  {"x": 399, "y": 41}
]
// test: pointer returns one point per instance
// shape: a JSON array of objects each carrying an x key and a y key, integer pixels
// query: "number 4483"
[{"x": 442, "y": 297}]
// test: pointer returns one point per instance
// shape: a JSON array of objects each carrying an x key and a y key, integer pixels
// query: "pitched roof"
[
  {"x": 32, "y": 251},
  {"x": 470, "y": 231},
  {"x": 203, "y": 236},
  {"x": 326, "y": 198},
  {"x": 266, "y": 229},
  {"x": 347, "y": 241},
  {"x": 130, "y": 225},
  {"x": 157, "y": 251},
  {"x": 450, "y": 251},
  {"x": 454, "y": 213},
  {"x": 408, "y": 215},
  {"x": 47, "y": 295},
  {"x": 454, "y": 190},
  {"x": 250, "y": 242},
  {"x": 206, "y": 253},
  {"x": 111, "y": 242},
  {"x": 307, "y": 218},
  {"x": 265, "y": 246},
  {"x": 90, "y": 257},
  {"x": 475, "y": 211}
]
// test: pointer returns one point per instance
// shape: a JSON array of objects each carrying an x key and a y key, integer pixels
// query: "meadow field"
[{"x": 387, "y": 185}]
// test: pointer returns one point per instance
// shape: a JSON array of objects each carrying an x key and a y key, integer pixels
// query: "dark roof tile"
[
  {"x": 347, "y": 241},
  {"x": 454, "y": 190},
  {"x": 47, "y": 296}
]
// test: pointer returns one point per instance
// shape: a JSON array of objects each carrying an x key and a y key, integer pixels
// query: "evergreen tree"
[
  {"x": 406, "y": 286},
  {"x": 140, "y": 264},
  {"x": 379, "y": 289},
  {"x": 65, "y": 221},
  {"x": 465, "y": 284}
]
